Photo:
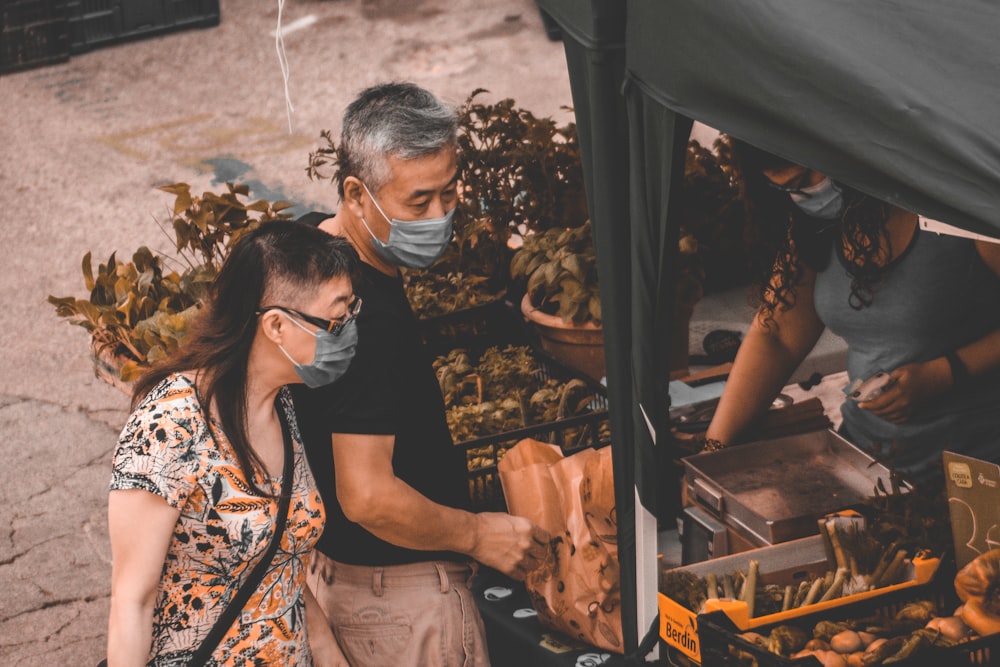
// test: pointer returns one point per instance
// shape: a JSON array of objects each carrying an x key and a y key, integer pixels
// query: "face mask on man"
[
  {"x": 333, "y": 355},
  {"x": 415, "y": 244},
  {"x": 823, "y": 200}
]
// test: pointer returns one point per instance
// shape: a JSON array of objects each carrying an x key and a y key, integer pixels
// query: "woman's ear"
[
  {"x": 272, "y": 325},
  {"x": 353, "y": 193}
]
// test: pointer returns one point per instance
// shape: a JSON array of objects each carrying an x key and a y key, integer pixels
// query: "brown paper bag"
[{"x": 577, "y": 589}]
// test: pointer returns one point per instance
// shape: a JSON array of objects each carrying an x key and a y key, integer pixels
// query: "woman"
[
  {"x": 924, "y": 308},
  {"x": 198, "y": 467}
]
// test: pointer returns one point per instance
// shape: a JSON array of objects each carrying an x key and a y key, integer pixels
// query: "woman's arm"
[
  {"x": 766, "y": 359},
  {"x": 322, "y": 644},
  {"x": 140, "y": 524},
  {"x": 915, "y": 385}
]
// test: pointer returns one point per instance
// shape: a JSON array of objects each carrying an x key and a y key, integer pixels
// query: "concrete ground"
[{"x": 85, "y": 142}]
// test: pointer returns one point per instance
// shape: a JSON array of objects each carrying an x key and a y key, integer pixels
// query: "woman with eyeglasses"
[
  {"x": 210, "y": 477},
  {"x": 920, "y": 307}
]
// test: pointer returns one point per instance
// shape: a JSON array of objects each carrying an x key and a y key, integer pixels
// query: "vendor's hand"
[
  {"x": 510, "y": 544},
  {"x": 911, "y": 388}
]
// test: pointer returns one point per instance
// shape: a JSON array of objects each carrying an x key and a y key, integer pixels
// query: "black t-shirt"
[{"x": 389, "y": 389}]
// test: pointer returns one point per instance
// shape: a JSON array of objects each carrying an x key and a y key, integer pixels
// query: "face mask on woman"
[
  {"x": 415, "y": 244},
  {"x": 823, "y": 200},
  {"x": 333, "y": 355}
]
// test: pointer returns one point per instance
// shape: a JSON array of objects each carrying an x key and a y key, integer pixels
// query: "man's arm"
[{"x": 371, "y": 495}]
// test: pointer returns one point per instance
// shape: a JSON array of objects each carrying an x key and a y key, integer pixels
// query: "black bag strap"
[{"x": 239, "y": 601}]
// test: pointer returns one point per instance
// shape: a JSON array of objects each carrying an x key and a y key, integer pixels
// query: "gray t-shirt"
[{"x": 937, "y": 296}]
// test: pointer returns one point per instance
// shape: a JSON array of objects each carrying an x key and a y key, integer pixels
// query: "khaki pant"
[{"x": 418, "y": 615}]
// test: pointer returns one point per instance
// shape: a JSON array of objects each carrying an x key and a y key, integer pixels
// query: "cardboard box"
[
  {"x": 973, "y": 489},
  {"x": 785, "y": 563}
]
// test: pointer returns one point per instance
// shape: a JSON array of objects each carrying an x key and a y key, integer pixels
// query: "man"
[{"x": 393, "y": 566}]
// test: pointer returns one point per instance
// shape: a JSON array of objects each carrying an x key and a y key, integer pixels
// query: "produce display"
[
  {"x": 859, "y": 563},
  {"x": 504, "y": 390},
  {"x": 905, "y": 636},
  {"x": 978, "y": 587},
  {"x": 432, "y": 294},
  {"x": 880, "y": 639}
]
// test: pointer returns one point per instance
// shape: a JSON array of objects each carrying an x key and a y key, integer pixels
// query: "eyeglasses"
[
  {"x": 794, "y": 186},
  {"x": 332, "y": 326}
]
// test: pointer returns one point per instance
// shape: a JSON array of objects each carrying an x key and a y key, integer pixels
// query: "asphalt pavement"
[{"x": 84, "y": 145}]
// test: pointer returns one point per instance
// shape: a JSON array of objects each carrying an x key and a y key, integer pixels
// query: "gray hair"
[{"x": 397, "y": 119}]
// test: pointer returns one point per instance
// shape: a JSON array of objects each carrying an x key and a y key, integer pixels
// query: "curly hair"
[{"x": 784, "y": 251}]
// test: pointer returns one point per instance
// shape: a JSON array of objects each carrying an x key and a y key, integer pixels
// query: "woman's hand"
[
  {"x": 322, "y": 643},
  {"x": 326, "y": 652},
  {"x": 910, "y": 389}
]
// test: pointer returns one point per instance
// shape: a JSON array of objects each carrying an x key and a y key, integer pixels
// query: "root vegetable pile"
[{"x": 862, "y": 642}]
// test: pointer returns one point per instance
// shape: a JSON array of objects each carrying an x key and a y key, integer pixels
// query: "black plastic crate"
[
  {"x": 571, "y": 434},
  {"x": 719, "y": 636},
  {"x": 33, "y": 33},
  {"x": 475, "y": 328},
  {"x": 96, "y": 23}
]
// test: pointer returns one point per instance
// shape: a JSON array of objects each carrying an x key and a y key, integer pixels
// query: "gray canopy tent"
[{"x": 897, "y": 99}]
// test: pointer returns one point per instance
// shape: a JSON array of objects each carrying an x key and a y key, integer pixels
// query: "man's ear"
[
  {"x": 272, "y": 325},
  {"x": 353, "y": 193}
]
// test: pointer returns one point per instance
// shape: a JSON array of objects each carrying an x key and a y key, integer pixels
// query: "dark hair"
[
  {"x": 399, "y": 119},
  {"x": 277, "y": 261},
  {"x": 789, "y": 240}
]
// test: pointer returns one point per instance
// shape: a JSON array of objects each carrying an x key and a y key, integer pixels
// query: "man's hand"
[{"x": 510, "y": 544}]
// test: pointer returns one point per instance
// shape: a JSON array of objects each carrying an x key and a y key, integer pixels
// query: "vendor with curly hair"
[{"x": 923, "y": 307}]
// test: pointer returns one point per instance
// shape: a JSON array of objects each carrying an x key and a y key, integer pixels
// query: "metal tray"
[{"x": 774, "y": 490}]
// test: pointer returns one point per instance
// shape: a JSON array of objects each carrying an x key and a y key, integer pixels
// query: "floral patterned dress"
[{"x": 223, "y": 530}]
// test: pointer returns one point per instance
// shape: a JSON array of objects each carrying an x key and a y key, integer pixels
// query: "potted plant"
[
  {"x": 558, "y": 268},
  {"x": 139, "y": 311}
]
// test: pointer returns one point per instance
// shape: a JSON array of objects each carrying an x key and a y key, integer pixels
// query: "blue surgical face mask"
[
  {"x": 415, "y": 244},
  {"x": 823, "y": 200},
  {"x": 333, "y": 355}
]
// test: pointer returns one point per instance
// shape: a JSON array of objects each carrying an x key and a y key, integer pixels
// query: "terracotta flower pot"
[{"x": 579, "y": 347}]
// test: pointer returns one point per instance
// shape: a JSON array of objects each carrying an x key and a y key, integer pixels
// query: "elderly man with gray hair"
[{"x": 393, "y": 567}]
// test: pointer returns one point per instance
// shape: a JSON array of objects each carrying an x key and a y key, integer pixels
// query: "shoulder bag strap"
[{"x": 239, "y": 601}]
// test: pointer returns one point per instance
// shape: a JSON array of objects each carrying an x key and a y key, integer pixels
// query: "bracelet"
[
  {"x": 959, "y": 373},
  {"x": 712, "y": 445}
]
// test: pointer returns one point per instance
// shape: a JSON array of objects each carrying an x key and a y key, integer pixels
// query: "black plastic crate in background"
[
  {"x": 96, "y": 23},
  {"x": 33, "y": 33},
  {"x": 475, "y": 328}
]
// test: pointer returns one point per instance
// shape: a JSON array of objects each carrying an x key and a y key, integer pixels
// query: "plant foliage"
[
  {"x": 138, "y": 312},
  {"x": 519, "y": 174}
]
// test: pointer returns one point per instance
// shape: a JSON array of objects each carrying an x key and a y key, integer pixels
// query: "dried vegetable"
[
  {"x": 978, "y": 587},
  {"x": 861, "y": 563},
  {"x": 879, "y": 639}
]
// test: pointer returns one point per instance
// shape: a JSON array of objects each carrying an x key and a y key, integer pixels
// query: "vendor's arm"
[
  {"x": 916, "y": 385},
  {"x": 768, "y": 355},
  {"x": 140, "y": 524},
  {"x": 371, "y": 495}
]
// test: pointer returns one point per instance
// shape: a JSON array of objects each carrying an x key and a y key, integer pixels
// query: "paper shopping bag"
[{"x": 577, "y": 589}]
